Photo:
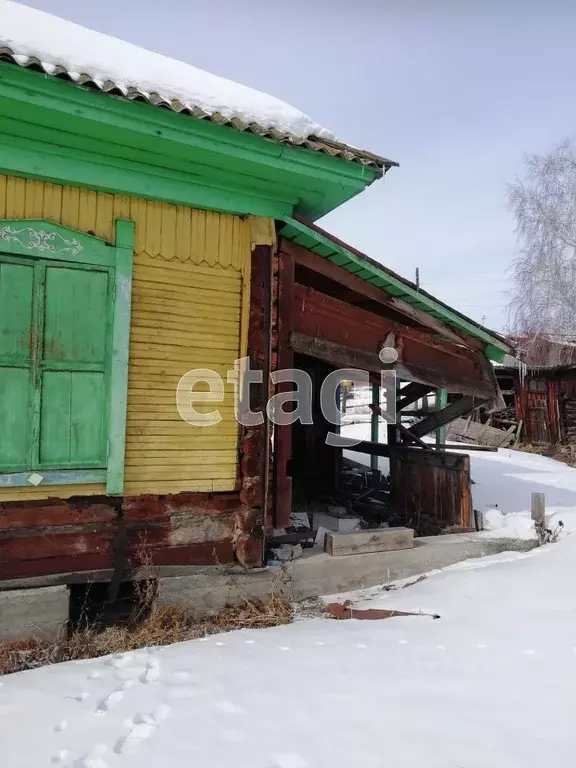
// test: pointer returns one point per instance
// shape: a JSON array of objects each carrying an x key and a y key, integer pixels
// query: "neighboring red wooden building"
[{"x": 545, "y": 401}]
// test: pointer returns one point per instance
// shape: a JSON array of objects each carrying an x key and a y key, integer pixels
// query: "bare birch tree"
[{"x": 544, "y": 271}]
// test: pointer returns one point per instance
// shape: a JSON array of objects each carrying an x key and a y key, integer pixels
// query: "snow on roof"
[
  {"x": 55, "y": 41},
  {"x": 33, "y": 38}
]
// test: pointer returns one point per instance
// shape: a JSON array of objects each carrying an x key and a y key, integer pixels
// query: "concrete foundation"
[
  {"x": 41, "y": 613},
  {"x": 321, "y": 574},
  {"x": 205, "y": 594},
  {"x": 317, "y": 573},
  {"x": 43, "y": 610}
]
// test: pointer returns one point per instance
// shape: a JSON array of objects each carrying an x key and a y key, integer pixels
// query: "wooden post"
[
  {"x": 283, "y": 433},
  {"x": 441, "y": 402},
  {"x": 538, "y": 507},
  {"x": 374, "y": 424}
]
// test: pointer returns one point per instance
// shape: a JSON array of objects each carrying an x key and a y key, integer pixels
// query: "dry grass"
[
  {"x": 547, "y": 535},
  {"x": 161, "y": 625}
]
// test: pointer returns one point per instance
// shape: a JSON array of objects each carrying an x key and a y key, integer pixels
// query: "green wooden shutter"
[
  {"x": 16, "y": 342},
  {"x": 74, "y": 367},
  {"x": 55, "y": 327},
  {"x": 64, "y": 340}
]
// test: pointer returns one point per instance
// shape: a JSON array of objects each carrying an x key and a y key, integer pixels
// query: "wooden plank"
[
  {"x": 412, "y": 438},
  {"x": 37, "y": 345},
  {"x": 431, "y": 489},
  {"x": 177, "y": 297},
  {"x": 186, "y": 338},
  {"x": 52, "y": 478},
  {"x": 334, "y": 353},
  {"x": 365, "y": 542},
  {"x": 518, "y": 433},
  {"x": 185, "y": 276},
  {"x": 283, "y": 433},
  {"x": 327, "y": 268},
  {"x": 153, "y": 358},
  {"x": 185, "y": 458},
  {"x": 465, "y": 447},
  {"x": 451, "y": 412},
  {"x": 410, "y": 394},
  {"x": 538, "y": 507},
  {"x": 120, "y": 352},
  {"x": 16, "y": 300},
  {"x": 226, "y": 325},
  {"x": 422, "y": 358},
  {"x": 17, "y": 517},
  {"x": 506, "y": 436},
  {"x": 441, "y": 403}
]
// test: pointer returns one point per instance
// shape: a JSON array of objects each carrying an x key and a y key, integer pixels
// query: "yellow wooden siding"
[{"x": 190, "y": 310}]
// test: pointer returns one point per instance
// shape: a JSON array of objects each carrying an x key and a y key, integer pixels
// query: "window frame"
[
  {"x": 537, "y": 385},
  {"x": 42, "y": 239}
]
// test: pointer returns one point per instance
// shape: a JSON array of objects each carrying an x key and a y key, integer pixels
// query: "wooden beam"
[
  {"x": 439, "y": 418},
  {"x": 441, "y": 403},
  {"x": 319, "y": 264},
  {"x": 384, "y": 449},
  {"x": 283, "y": 432},
  {"x": 412, "y": 438},
  {"x": 377, "y": 411},
  {"x": 336, "y": 354},
  {"x": 465, "y": 447},
  {"x": 422, "y": 358},
  {"x": 411, "y": 393}
]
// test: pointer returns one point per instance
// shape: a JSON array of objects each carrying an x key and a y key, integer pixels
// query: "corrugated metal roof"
[{"x": 86, "y": 80}]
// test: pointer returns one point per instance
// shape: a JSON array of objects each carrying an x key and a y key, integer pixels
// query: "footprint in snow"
[
  {"x": 121, "y": 660},
  {"x": 91, "y": 762},
  {"x": 137, "y": 733},
  {"x": 94, "y": 759},
  {"x": 79, "y": 697},
  {"x": 110, "y": 701},
  {"x": 140, "y": 729},
  {"x": 152, "y": 671},
  {"x": 129, "y": 673},
  {"x": 60, "y": 756},
  {"x": 179, "y": 678},
  {"x": 61, "y": 726}
]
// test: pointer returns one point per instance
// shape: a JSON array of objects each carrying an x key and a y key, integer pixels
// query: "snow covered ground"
[{"x": 488, "y": 685}]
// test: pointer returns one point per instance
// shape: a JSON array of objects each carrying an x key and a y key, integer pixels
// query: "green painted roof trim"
[
  {"x": 67, "y": 133},
  {"x": 301, "y": 234}
]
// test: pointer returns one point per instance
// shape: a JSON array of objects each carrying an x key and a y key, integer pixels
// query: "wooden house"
[
  {"x": 147, "y": 229},
  {"x": 543, "y": 400}
]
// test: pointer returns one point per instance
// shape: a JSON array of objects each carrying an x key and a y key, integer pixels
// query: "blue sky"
[{"x": 457, "y": 92}]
